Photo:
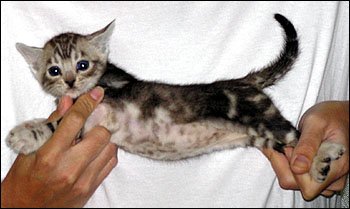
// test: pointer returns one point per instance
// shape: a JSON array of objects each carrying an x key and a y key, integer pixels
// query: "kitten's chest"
[{"x": 159, "y": 137}]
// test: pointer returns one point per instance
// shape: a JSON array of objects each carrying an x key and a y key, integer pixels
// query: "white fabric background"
[{"x": 186, "y": 42}]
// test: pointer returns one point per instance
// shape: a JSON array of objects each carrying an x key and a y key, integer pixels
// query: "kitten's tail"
[{"x": 268, "y": 75}]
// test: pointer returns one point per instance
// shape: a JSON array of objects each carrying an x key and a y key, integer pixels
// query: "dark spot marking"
[
  {"x": 326, "y": 160},
  {"x": 252, "y": 141},
  {"x": 279, "y": 148},
  {"x": 57, "y": 51},
  {"x": 325, "y": 170},
  {"x": 35, "y": 136},
  {"x": 51, "y": 127}
]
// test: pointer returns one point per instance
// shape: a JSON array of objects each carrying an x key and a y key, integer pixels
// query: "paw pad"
[{"x": 328, "y": 152}]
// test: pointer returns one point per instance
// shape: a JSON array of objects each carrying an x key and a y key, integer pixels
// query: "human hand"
[
  {"x": 327, "y": 121},
  {"x": 61, "y": 174}
]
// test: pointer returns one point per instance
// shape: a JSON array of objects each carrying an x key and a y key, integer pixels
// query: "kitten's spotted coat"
[{"x": 161, "y": 121}]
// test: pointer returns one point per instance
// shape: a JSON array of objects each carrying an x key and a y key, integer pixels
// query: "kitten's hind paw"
[{"x": 328, "y": 152}]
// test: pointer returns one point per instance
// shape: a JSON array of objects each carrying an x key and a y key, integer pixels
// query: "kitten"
[{"x": 162, "y": 121}]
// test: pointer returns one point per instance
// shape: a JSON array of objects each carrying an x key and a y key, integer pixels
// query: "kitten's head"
[{"x": 69, "y": 63}]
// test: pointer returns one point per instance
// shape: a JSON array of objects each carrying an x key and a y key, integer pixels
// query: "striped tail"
[{"x": 268, "y": 75}]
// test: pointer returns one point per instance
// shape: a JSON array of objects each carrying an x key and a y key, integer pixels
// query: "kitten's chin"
[
  {"x": 76, "y": 92},
  {"x": 73, "y": 93}
]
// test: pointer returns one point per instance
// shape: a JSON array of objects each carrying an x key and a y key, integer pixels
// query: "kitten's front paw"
[
  {"x": 22, "y": 141},
  {"x": 328, "y": 152},
  {"x": 27, "y": 137}
]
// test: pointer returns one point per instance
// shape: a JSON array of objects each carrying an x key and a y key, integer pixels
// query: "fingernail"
[
  {"x": 301, "y": 163},
  {"x": 96, "y": 93}
]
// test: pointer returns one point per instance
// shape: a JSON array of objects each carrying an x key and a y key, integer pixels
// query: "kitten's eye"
[
  {"x": 54, "y": 71},
  {"x": 83, "y": 65}
]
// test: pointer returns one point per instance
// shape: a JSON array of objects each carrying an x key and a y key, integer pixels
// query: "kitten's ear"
[
  {"x": 100, "y": 38},
  {"x": 31, "y": 55}
]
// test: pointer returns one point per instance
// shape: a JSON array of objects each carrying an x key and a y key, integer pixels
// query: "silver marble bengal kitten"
[{"x": 162, "y": 121}]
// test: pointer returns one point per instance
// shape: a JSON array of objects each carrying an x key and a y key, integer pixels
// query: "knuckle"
[
  {"x": 308, "y": 193},
  {"x": 45, "y": 161},
  {"x": 66, "y": 179},
  {"x": 307, "y": 196},
  {"x": 76, "y": 117},
  {"x": 287, "y": 183},
  {"x": 81, "y": 189}
]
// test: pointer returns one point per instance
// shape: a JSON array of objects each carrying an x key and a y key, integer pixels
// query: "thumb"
[
  {"x": 74, "y": 120},
  {"x": 307, "y": 147}
]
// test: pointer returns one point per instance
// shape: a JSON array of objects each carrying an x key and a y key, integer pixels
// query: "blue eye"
[
  {"x": 83, "y": 65},
  {"x": 54, "y": 71}
]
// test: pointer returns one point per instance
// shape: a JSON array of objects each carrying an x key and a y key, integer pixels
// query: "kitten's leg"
[
  {"x": 273, "y": 136},
  {"x": 30, "y": 135},
  {"x": 262, "y": 142},
  {"x": 328, "y": 152},
  {"x": 262, "y": 119}
]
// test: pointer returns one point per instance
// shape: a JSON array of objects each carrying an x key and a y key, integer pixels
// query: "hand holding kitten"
[
  {"x": 327, "y": 121},
  {"x": 59, "y": 174}
]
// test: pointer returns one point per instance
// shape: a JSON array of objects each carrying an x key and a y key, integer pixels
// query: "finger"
[
  {"x": 65, "y": 103},
  {"x": 75, "y": 118},
  {"x": 92, "y": 144},
  {"x": 102, "y": 161},
  {"x": 105, "y": 172},
  {"x": 338, "y": 185},
  {"x": 280, "y": 165},
  {"x": 88, "y": 177},
  {"x": 327, "y": 193},
  {"x": 82, "y": 199},
  {"x": 81, "y": 155},
  {"x": 307, "y": 147}
]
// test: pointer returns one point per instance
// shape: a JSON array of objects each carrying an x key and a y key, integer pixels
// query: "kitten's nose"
[{"x": 70, "y": 83}]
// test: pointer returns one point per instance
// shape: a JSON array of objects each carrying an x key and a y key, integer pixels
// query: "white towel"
[{"x": 186, "y": 42}]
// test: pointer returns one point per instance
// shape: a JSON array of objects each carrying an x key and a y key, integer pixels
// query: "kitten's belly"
[{"x": 162, "y": 139}]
